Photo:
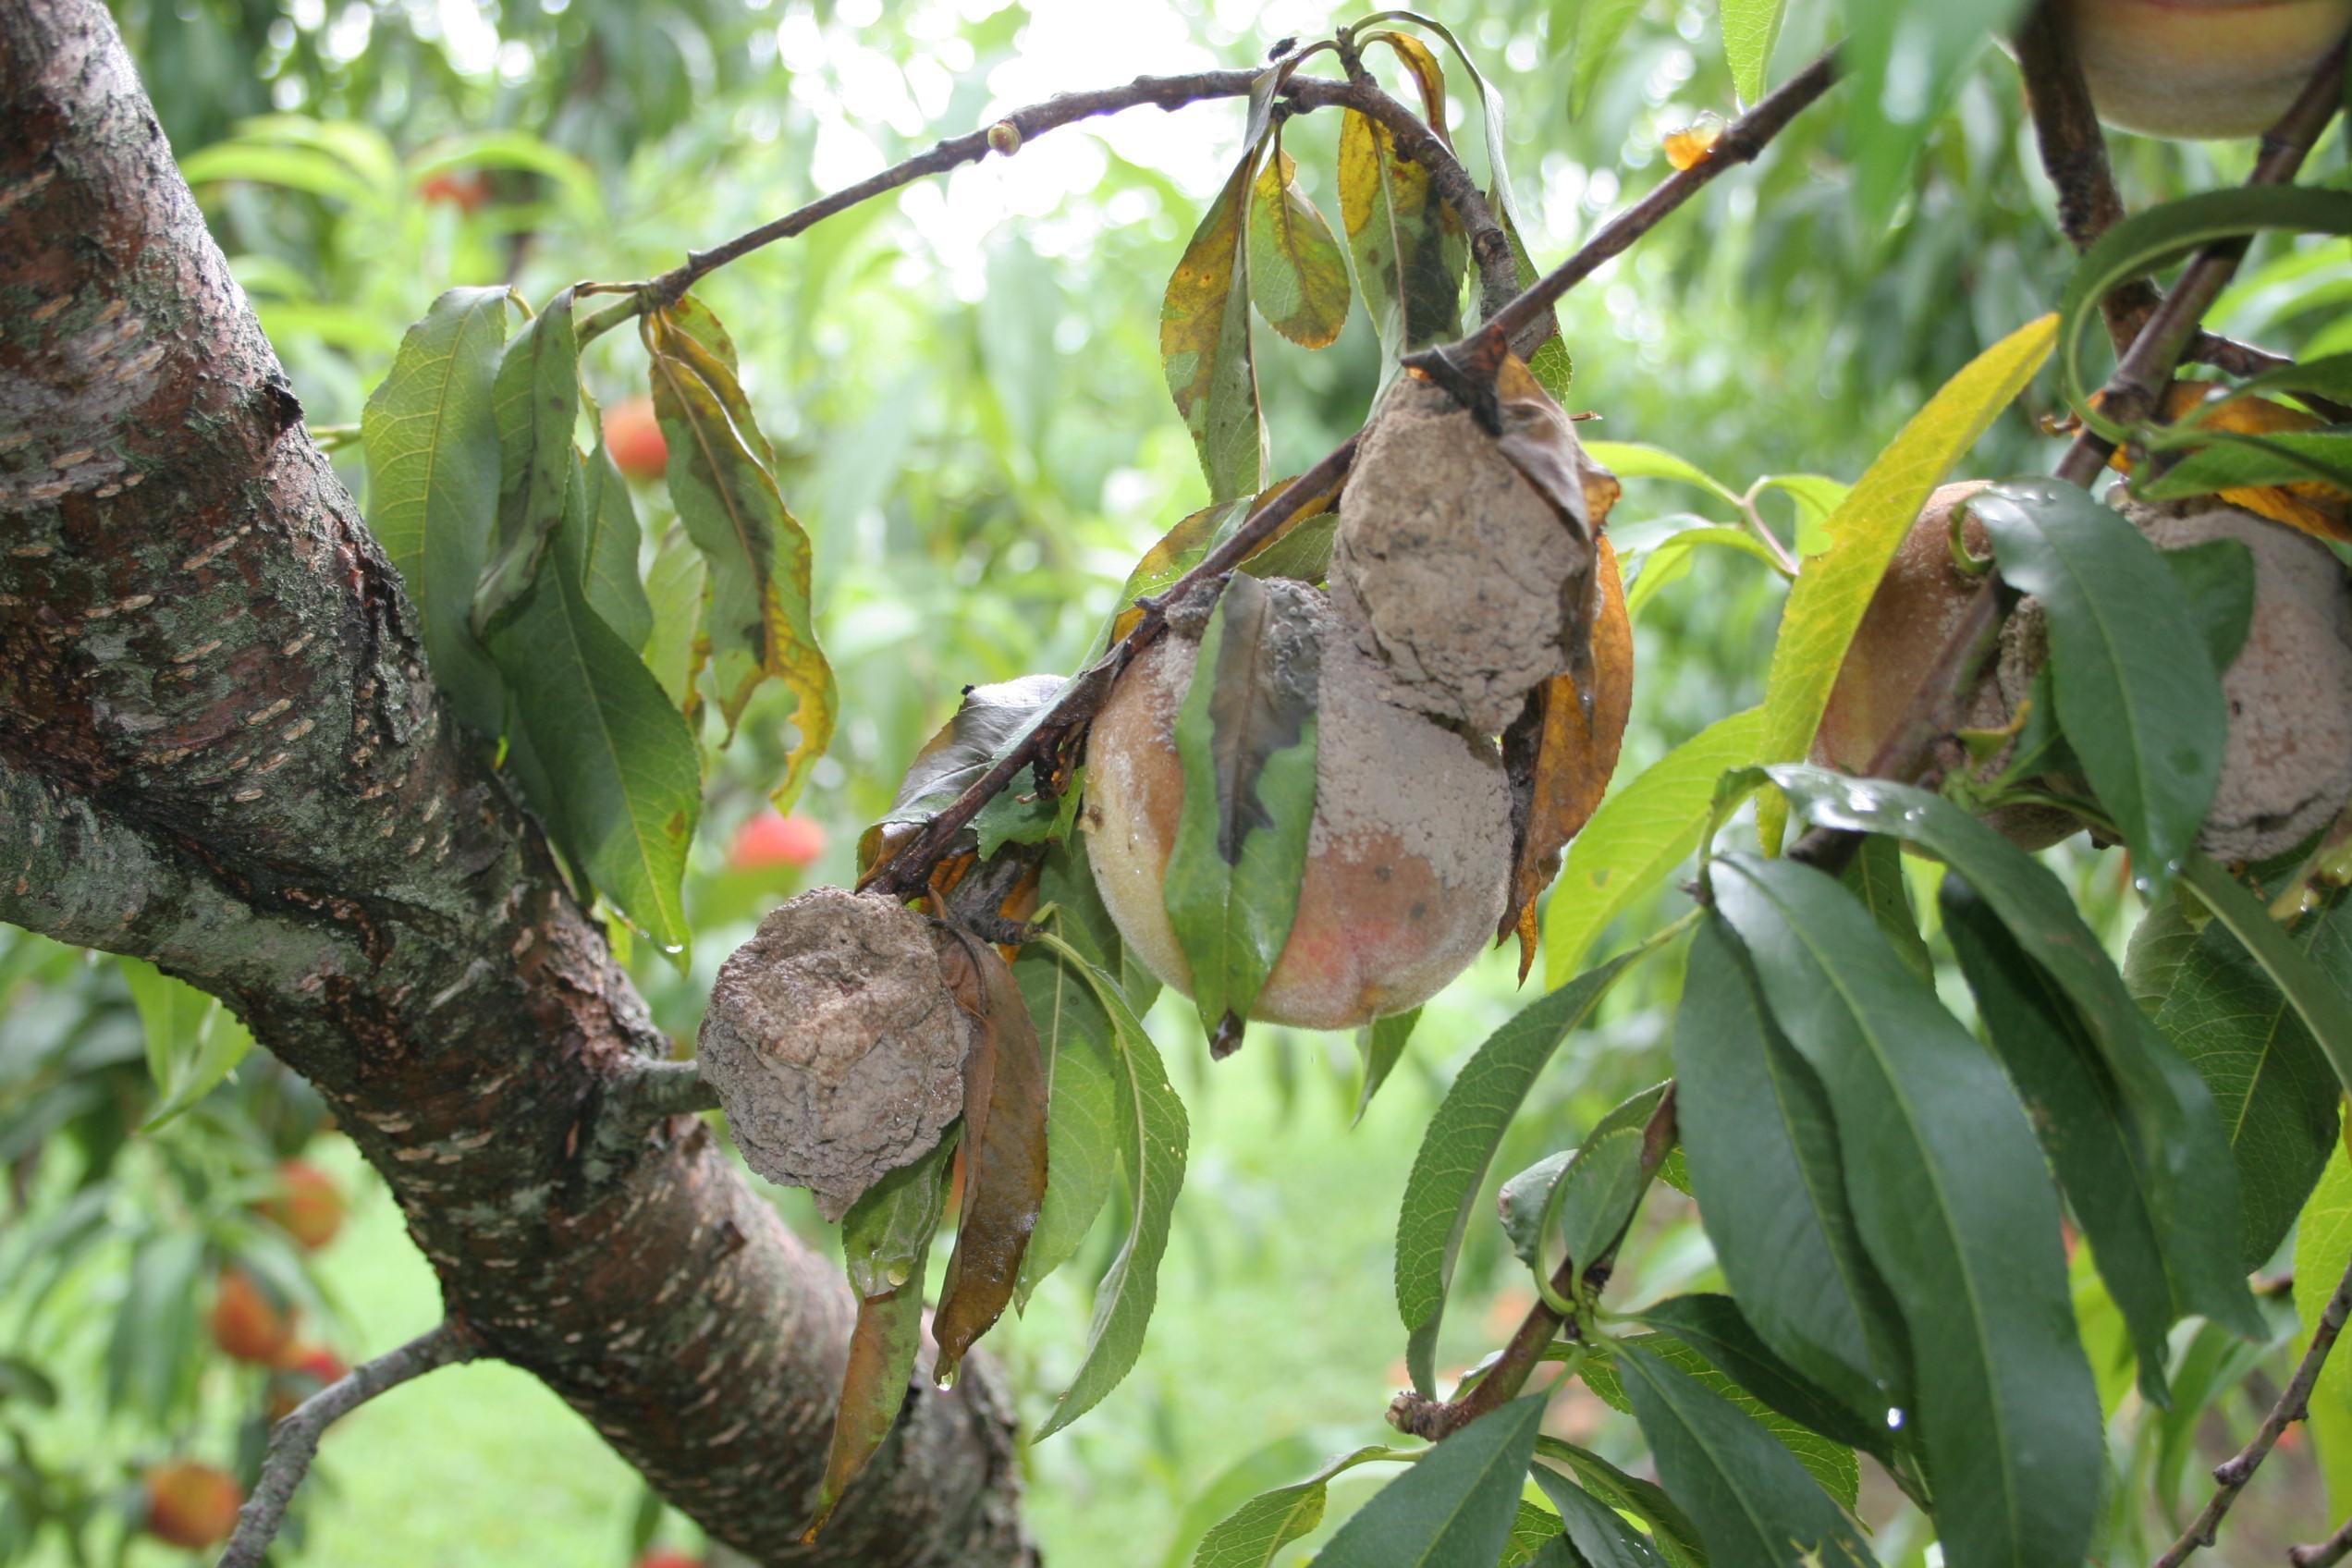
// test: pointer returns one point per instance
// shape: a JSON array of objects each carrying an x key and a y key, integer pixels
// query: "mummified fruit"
[
  {"x": 1455, "y": 568},
  {"x": 2288, "y": 766},
  {"x": 1406, "y": 859},
  {"x": 2195, "y": 69},
  {"x": 2288, "y": 770},
  {"x": 834, "y": 1044}
]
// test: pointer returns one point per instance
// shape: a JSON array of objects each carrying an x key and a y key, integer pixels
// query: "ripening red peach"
[
  {"x": 301, "y": 1372},
  {"x": 247, "y": 1322},
  {"x": 772, "y": 839},
  {"x": 466, "y": 190},
  {"x": 191, "y": 1505},
  {"x": 634, "y": 438},
  {"x": 308, "y": 1205}
]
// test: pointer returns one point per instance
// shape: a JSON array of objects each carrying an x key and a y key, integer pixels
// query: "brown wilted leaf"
[
  {"x": 1004, "y": 1120},
  {"x": 990, "y": 720},
  {"x": 1559, "y": 759},
  {"x": 2314, "y": 507},
  {"x": 886, "y": 1236}
]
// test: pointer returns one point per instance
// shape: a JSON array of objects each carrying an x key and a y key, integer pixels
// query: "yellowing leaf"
[
  {"x": 1297, "y": 277},
  {"x": 1825, "y": 605},
  {"x": 1205, "y": 343},
  {"x": 1688, "y": 147},
  {"x": 2313, "y": 506},
  {"x": 1181, "y": 547},
  {"x": 759, "y": 620},
  {"x": 1409, "y": 249},
  {"x": 1638, "y": 835}
]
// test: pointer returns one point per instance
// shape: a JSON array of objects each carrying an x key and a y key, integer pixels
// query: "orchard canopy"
[{"x": 971, "y": 782}]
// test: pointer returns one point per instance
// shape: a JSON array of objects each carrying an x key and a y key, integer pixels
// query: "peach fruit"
[{"x": 1407, "y": 858}]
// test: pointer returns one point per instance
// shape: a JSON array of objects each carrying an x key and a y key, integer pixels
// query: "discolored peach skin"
[
  {"x": 1918, "y": 602},
  {"x": 2198, "y": 68},
  {"x": 1406, "y": 862}
]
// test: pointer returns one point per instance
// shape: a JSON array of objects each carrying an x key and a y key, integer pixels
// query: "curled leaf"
[
  {"x": 990, "y": 720},
  {"x": 1297, "y": 277},
  {"x": 535, "y": 399},
  {"x": 759, "y": 620},
  {"x": 1541, "y": 442},
  {"x": 1562, "y": 754},
  {"x": 1409, "y": 249},
  {"x": 1205, "y": 343},
  {"x": 1004, "y": 1117}
]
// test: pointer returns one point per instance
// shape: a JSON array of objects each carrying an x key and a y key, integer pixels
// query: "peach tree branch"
[{"x": 294, "y": 1442}]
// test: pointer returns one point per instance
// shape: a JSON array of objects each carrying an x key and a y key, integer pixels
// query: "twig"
[
  {"x": 1525, "y": 1350},
  {"x": 2074, "y": 154},
  {"x": 294, "y": 1442},
  {"x": 647, "y": 1091},
  {"x": 2293, "y": 1404},
  {"x": 1414, "y": 138},
  {"x": 1167, "y": 91},
  {"x": 2136, "y": 388},
  {"x": 1741, "y": 141},
  {"x": 2326, "y": 1553}
]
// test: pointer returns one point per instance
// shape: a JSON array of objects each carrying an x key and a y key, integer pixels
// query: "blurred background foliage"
[{"x": 964, "y": 386}]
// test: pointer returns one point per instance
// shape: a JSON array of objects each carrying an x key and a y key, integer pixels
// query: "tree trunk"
[{"x": 221, "y": 751}]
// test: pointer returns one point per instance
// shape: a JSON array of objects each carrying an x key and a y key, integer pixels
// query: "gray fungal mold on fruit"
[
  {"x": 835, "y": 1046},
  {"x": 2288, "y": 770},
  {"x": 1451, "y": 565},
  {"x": 1407, "y": 858}
]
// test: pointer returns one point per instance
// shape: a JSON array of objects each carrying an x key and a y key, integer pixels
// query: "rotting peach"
[
  {"x": 2195, "y": 69},
  {"x": 1407, "y": 858}
]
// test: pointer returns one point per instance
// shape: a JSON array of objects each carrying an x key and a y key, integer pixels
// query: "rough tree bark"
[{"x": 221, "y": 750}]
